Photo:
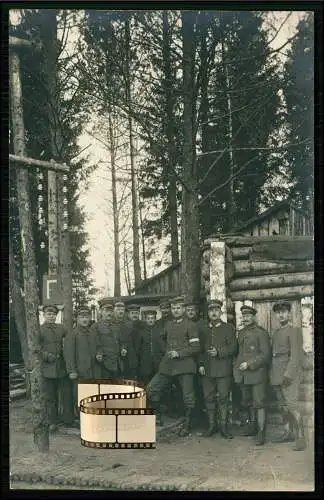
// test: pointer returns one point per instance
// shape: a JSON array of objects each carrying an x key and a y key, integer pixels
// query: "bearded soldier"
[
  {"x": 251, "y": 371},
  {"x": 285, "y": 373},
  {"x": 182, "y": 344},
  {"x": 52, "y": 337},
  {"x": 218, "y": 348}
]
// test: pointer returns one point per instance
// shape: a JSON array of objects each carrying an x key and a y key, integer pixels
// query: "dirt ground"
[{"x": 200, "y": 463}]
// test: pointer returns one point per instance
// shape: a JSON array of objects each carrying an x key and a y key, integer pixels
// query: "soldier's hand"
[
  {"x": 202, "y": 371},
  {"x": 51, "y": 357},
  {"x": 243, "y": 366},
  {"x": 286, "y": 381},
  {"x": 123, "y": 353},
  {"x": 212, "y": 352},
  {"x": 173, "y": 354},
  {"x": 73, "y": 375},
  {"x": 99, "y": 357}
]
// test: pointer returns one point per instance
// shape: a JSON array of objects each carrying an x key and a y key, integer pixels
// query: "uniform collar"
[
  {"x": 180, "y": 320},
  {"x": 215, "y": 325}
]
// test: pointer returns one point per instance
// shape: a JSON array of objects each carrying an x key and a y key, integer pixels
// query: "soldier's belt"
[{"x": 113, "y": 414}]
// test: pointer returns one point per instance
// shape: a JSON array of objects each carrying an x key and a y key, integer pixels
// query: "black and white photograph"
[{"x": 161, "y": 248}]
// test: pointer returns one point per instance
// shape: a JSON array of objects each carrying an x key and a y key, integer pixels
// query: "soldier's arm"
[
  {"x": 296, "y": 348},
  {"x": 69, "y": 352},
  {"x": 44, "y": 353},
  {"x": 97, "y": 339},
  {"x": 229, "y": 349},
  {"x": 202, "y": 333},
  {"x": 263, "y": 358},
  {"x": 193, "y": 341}
]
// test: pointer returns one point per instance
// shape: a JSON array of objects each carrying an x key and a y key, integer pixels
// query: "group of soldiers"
[{"x": 183, "y": 352}]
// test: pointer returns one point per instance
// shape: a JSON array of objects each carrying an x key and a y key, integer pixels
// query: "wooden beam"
[
  {"x": 272, "y": 294},
  {"x": 31, "y": 162},
  {"x": 272, "y": 280},
  {"x": 261, "y": 268},
  {"x": 245, "y": 241},
  {"x": 16, "y": 43}
]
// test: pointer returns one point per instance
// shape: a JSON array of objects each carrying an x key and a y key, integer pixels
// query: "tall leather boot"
[
  {"x": 261, "y": 421},
  {"x": 252, "y": 426},
  {"x": 287, "y": 437},
  {"x": 211, "y": 423},
  {"x": 300, "y": 443},
  {"x": 223, "y": 427},
  {"x": 185, "y": 428}
]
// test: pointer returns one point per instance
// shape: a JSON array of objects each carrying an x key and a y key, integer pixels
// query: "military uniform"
[
  {"x": 218, "y": 370},
  {"x": 57, "y": 384},
  {"x": 255, "y": 350},
  {"x": 150, "y": 352},
  {"x": 108, "y": 346},
  {"x": 285, "y": 374},
  {"x": 180, "y": 336}
]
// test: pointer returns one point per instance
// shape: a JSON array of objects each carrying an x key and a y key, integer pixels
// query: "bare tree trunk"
[
  {"x": 143, "y": 242},
  {"x": 38, "y": 395},
  {"x": 63, "y": 249},
  {"x": 190, "y": 248},
  {"x": 126, "y": 272},
  {"x": 171, "y": 165},
  {"x": 136, "y": 243},
  {"x": 53, "y": 240},
  {"x": 232, "y": 204},
  {"x": 115, "y": 206}
]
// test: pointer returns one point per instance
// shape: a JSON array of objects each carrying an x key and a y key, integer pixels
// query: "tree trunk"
[
  {"x": 143, "y": 243},
  {"x": 272, "y": 294},
  {"x": 38, "y": 395},
  {"x": 190, "y": 248},
  {"x": 136, "y": 243},
  {"x": 260, "y": 268},
  {"x": 112, "y": 148},
  {"x": 231, "y": 221},
  {"x": 126, "y": 271},
  {"x": 170, "y": 134},
  {"x": 53, "y": 240},
  {"x": 272, "y": 280}
]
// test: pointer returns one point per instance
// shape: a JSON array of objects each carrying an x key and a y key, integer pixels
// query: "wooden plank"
[
  {"x": 33, "y": 163},
  {"x": 260, "y": 268},
  {"x": 236, "y": 240},
  {"x": 271, "y": 281},
  {"x": 15, "y": 42},
  {"x": 273, "y": 293}
]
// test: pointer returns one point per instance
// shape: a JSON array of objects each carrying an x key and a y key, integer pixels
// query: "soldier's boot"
[
  {"x": 185, "y": 427},
  {"x": 211, "y": 424},
  {"x": 223, "y": 427},
  {"x": 300, "y": 443},
  {"x": 287, "y": 437},
  {"x": 261, "y": 420},
  {"x": 252, "y": 429}
]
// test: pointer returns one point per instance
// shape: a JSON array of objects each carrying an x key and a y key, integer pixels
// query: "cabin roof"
[{"x": 266, "y": 214}]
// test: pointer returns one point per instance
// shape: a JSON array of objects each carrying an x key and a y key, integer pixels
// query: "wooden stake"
[
  {"x": 38, "y": 395},
  {"x": 53, "y": 243}
]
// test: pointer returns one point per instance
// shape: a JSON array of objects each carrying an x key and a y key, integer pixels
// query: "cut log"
[
  {"x": 260, "y": 268},
  {"x": 245, "y": 241},
  {"x": 273, "y": 293},
  {"x": 272, "y": 280},
  {"x": 241, "y": 252},
  {"x": 17, "y": 394}
]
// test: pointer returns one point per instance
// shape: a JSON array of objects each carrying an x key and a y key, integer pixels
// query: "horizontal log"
[
  {"x": 259, "y": 268},
  {"x": 245, "y": 241},
  {"x": 241, "y": 252},
  {"x": 15, "y": 42},
  {"x": 272, "y": 281},
  {"x": 31, "y": 162},
  {"x": 271, "y": 294}
]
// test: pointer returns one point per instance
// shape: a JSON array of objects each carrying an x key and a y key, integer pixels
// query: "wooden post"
[
  {"x": 53, "y": 243},
  {"x": 38, "y": 395},
  {"x": 217, "y": 274}
]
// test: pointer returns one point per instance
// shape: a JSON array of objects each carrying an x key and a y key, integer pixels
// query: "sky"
[{"x": 96, "y": 199}]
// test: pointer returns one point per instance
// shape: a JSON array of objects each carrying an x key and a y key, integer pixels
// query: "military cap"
[
  {"x": 248, "y": 310},
  {"x": 133, "y": 307},
  {"x": 119, "y": 303},
  {"x": 177, "y": 300},
  {"x": 50, "y": 307},
  {"x": 214, "y": 303},
  {"x": 106, "y": 302},
  {"x": 283, "y": 304},
  {"x": 191, "y": 303},
  {"x": 164, "y": 303},
  {"x": 83, "y": 310},
  {"x": 150, "y": 311}
]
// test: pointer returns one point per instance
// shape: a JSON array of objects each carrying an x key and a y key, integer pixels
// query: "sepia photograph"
[{"x": 161, "y": 249}]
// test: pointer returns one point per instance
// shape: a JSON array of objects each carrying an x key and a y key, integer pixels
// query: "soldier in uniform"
[
  {"x": 192, "y": 310},
  {"x": 285, "y": 372},
  {"x": 218, "y": 348},
  {"x": 137, "y": 326},
  {"x": 57, "y": 384},
  {"x": 80, "y": 348},
  {"x": 251, "y": 371},
  {"x": 165, "y": 308},
  {"x": 122, "y": 330},
  {"x": 149, "y": 348},
  {"x": 107, "y": 344},
  {"x": 182, "y": 344}
]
